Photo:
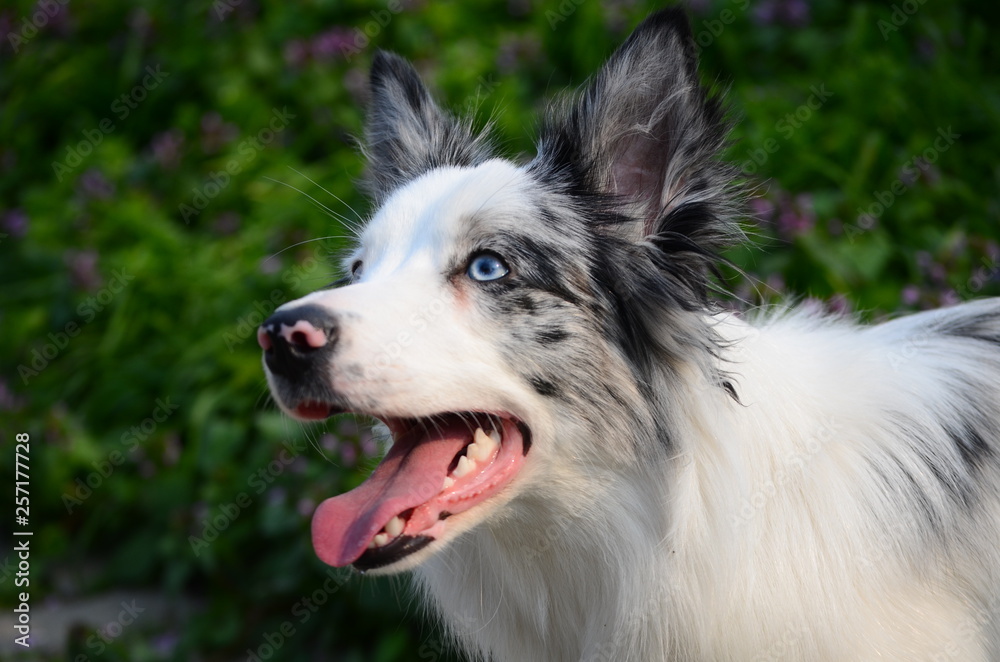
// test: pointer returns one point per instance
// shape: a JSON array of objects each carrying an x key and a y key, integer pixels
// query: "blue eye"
[{"x": 486, "y": 267}]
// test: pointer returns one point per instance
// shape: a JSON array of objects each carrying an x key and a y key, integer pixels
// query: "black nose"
[{"x": 294, "y": 339}]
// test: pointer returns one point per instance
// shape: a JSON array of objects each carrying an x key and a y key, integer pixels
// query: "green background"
[{"x": 162, "y": 474}]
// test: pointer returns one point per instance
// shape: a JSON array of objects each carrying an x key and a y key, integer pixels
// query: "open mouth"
[{"x": 438, "y": 467}]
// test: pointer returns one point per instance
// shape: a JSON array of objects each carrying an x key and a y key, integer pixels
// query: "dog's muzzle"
[
  {"x": 295, "y": 340},
  {"x": 299, "y": 345}
]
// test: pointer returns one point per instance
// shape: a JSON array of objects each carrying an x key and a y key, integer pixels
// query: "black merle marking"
[
  {"x": 551, "y": 335},
  {"x": 543, "y": 386},
  {"x": 971, "y": 445},
  {"x": 407, "y": 134}
]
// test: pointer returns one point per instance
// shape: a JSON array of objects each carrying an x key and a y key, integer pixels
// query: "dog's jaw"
[{"x": 439, "y": 472}]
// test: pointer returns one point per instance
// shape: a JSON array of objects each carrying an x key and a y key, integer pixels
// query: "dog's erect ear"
[
  {"x": 645, "y": 132},
  {"x": 406, "y": 133}
]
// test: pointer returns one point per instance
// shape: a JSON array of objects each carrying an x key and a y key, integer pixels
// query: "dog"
[{"x": 590, "y": 459}]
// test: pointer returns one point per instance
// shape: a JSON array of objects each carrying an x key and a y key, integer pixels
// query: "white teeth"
[
  {"x": 380, "y": 539},
  {"x": 394, "y": 527},
  {"x": 448, "y": 482},
  {"x": 465, "y": 465},
  {"x": 495, "y": 435},
  {"x": 483, "y": 446}
]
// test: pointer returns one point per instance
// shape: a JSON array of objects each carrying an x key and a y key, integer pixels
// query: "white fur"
[
  {"x": 700, "y": 487},
  {"x": 768, "y": 534}
]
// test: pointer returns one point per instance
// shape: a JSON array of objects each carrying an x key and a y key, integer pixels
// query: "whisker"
[
  {"x": 329, "y": 193},
  {"x": 333, "y": 214}
]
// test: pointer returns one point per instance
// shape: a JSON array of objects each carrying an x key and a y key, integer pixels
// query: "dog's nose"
[{"x": 292, "y": 339}]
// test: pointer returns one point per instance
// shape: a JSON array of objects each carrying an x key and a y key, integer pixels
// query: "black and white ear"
[
  {"x": 406, "y": 133},
  {"x": 647, "y": 134}
]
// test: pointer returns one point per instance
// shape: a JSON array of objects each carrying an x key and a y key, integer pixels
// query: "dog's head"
[{"x": 495, "y": 313}]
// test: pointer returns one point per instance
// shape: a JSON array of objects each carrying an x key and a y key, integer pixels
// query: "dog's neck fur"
[
  {"x": 557, "y": 581},
  {"x": 638, "y": 571}
]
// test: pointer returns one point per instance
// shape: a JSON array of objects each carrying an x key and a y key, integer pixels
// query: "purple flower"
[
  {"x": 368, "y": 445},
  {"x": 950, "y": 297},
  {"x": 348, "y": 455},
  {"x": 93, "y": 184},
  {"x": 332, "y": 44},
  {"x": 838, "y": 304},
  {"x": 910, "y": 295},
  {"x": 792, "y": 223},
  {"x": 9, "y": 401},
  {"x": 296, "y": 53},
  {"x": 83, "y": 268},
  {"x": 328, "y": 442},
  {"x": 15, "y": 222},
  {"x": 171, "y": 449},
  {"x": 794, "y": 13},
  {"x": 228, "y": 222},
  {"x": 762, "y": 209},
  {"x": 166, "y": 148},
  {"x": 165, "y": 643},
  {"x": 348, "y": 427},
  {"x": 305, "y": 506},
  {"x": 765, "y": 12},
  {"x": 215, "y": 132}
]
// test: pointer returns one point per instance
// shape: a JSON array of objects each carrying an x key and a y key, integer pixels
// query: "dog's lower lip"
[
  {"x": 315, "y": 411},
  {"x": 395, "y": 551}
]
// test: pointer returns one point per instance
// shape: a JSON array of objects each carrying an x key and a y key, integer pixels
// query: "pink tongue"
[{"x": 411, "y": 474}]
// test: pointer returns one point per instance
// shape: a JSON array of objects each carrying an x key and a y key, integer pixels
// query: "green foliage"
[{"x": 172, "y": 171}]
